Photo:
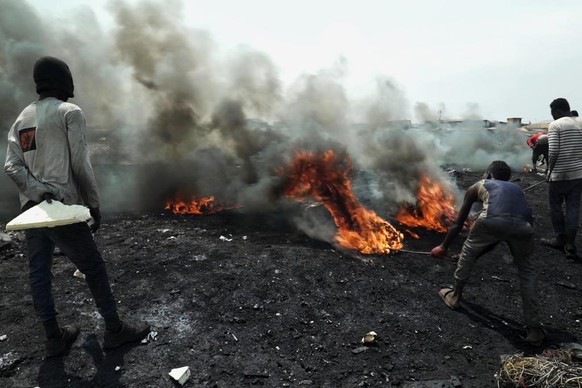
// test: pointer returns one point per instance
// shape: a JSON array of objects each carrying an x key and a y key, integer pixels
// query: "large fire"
[
  {"x": 435, "y": 207},
  {"x": 205, "y": 205},
  {"x": 325, "y": 177}
]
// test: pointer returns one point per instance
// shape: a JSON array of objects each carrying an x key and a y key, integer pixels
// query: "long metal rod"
[
  {"x": 409, "y": 251},
  {"x": 534, "y": 185}
]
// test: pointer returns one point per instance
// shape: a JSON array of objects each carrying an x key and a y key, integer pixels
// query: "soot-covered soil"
[{"x": 275, "y": 308}]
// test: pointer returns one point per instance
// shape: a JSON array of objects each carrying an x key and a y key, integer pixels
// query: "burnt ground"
[{"x": 275, "y": 308}]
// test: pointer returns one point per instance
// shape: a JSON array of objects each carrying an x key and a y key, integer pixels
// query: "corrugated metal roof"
[{"x": 539, "y": 125}]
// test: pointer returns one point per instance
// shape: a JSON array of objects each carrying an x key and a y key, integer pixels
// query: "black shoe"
[
  {"x": 570, "y": 251},
  {"x": 127, "y": 334},
  {"x": 555, "y": 242},
  {"x": 60, "y": 346}
]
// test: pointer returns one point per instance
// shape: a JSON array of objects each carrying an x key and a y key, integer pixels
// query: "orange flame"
[
  {"x": 435, "y": 207},
  {"x": 324, "y": 177},
  {"x": 206, "y": 205}
]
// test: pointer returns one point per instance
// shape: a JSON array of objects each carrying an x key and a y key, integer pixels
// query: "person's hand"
[
  {"x": 438, "y": 252},
  {"x": 49, "y": 197},
  {"x": 96, "y": 214}
]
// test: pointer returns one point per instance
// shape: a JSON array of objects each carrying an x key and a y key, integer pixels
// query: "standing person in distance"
[
  {"x": 564, "y": 176},
  {"x": 48, "y": 159},
  {"x": 539, "y": 145}
]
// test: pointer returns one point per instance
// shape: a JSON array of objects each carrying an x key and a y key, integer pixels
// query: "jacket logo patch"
[{"x": 27, "y": 139}]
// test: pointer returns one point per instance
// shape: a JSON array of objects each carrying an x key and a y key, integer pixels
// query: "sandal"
[{"x": 446, "y": 294}]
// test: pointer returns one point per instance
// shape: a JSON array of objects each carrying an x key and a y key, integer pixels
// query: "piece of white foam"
[
  {"x": 180, "y": 374},
  {"x": 47, "y": 215}
]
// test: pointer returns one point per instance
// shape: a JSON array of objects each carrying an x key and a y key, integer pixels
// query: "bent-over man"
[
  {"x": 506, "y": 216},
  {"x": 539, "y": 145}
]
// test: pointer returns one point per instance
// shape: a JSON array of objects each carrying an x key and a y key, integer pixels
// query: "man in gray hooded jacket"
[{"x": 48, "y": 159}]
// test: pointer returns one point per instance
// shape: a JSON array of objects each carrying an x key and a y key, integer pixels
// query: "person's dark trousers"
[
  {"x": 569, "y": 192},
  {"x": 540, "y": 150},
  {"x": 77, "y": 243}
]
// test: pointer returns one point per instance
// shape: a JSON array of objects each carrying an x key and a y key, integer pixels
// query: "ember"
[
  {"x": 325, "y": 177},
  {"x": 206, "y": 205},
  {"x": 435, "y": 207}
]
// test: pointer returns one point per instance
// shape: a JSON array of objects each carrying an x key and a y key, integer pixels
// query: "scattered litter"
[
  {"x": 222, "y": 238},
  {"x": 180, "y": 374},
  {"x": 498, "y": 278},
  {"x": 234, "y": 336},
  {"x": 163, "y": 230},
  {"x": 467, "y": 170},
  {"x": 79, "y": 274},
  {"x": 244, "y": 237},
  {"x": 201, "y": 257},
  {"x": 117, "y": 368},
  {"x": 467, "y": 347},
  {"x": 359, "y": 350},
  {"x": 3, "y": 337},
  {"x": 369, "y": 338},
  {"x": 569, "y": 285},
  {"x": 5, "y": 240},
  {"x": 150, "y": 337}
]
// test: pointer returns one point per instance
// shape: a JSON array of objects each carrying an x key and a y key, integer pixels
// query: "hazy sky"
[{"x": 497, "y": 59}]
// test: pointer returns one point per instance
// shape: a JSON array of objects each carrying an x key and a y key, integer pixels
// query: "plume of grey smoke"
[
  {"x": 22, "y": 41},
  {"x": 472, "y": 112},
  {"x": 175, "y": 106},
  {"x": 174, "y": 66},
  {"x": 477, "y": 148},
  {"x": 253, "y": 80},
  {"x": 317, "y": 106},
  {"x": 399, "y": 161},
  {"x": 389, "y": 104},
  {"x": 424, "y": 114}
]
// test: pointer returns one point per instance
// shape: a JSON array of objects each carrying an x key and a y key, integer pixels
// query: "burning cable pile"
[
  {"x": 325, "y": 177},
  {"x": 206, "y": 205},
  {"x": 434, "y": 208}
]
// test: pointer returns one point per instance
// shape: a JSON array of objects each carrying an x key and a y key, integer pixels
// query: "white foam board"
[
  {"x": 180, "y": 374},
  {"x": 47, "y": 215}
]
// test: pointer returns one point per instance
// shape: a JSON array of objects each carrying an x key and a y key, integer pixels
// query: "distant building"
[
  {"x": 514, "y": 121},
  {"x": 399, "y": 124}
]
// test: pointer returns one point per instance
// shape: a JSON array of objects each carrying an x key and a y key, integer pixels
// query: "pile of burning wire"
[{"x": 553, "y": 368}]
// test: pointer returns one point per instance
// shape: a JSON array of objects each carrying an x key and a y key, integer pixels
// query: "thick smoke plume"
[{"x": 168, "y": 112}]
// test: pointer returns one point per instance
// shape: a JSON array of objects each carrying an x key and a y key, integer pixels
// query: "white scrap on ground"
[
  {"x": 49, "y": 215},
  {"x": 79, "y": 274},
  {"x": 180, "y": 374}
]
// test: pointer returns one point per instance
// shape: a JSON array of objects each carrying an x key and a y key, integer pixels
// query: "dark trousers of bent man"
[
  {"x": 77, "y": 243},
  {"x": 485, "y": 234}
]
